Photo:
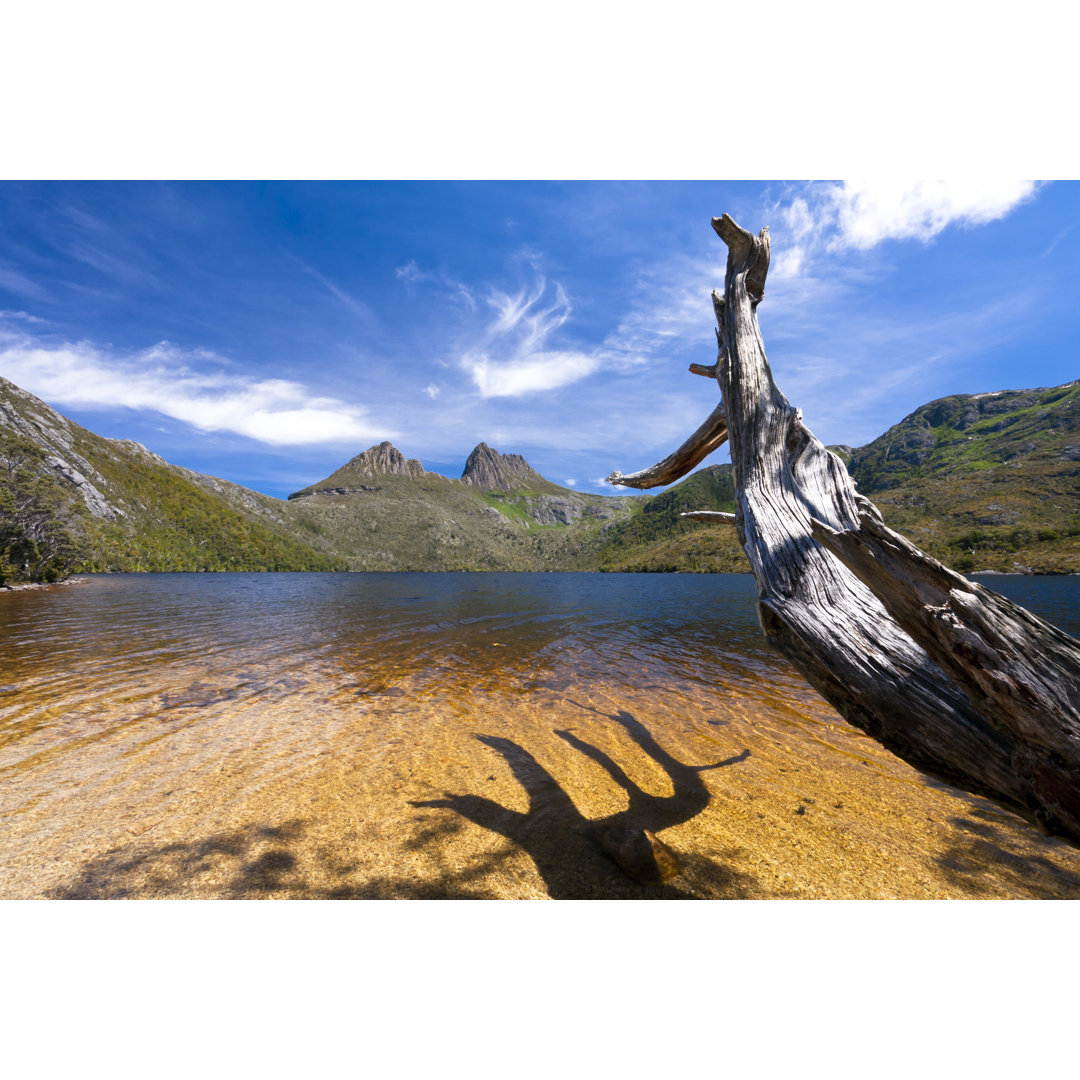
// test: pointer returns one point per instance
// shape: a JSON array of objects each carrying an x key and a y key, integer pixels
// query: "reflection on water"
[{"x": 459, "y": 735}]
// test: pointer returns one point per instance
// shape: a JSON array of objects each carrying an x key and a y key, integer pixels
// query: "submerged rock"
[{"x": 639, "y": 854}]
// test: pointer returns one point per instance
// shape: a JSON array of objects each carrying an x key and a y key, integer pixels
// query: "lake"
[{"x": 458, "y": 736}]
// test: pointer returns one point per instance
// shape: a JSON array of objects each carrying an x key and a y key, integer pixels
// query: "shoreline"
[
  {"x": 23, "y": 586},
  {"x": 106, "y": 573}
]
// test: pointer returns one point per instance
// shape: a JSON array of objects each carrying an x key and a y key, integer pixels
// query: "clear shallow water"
[{"x": 362, "y": 735}]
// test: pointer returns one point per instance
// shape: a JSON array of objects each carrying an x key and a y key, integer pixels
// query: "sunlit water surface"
[{"x": 460, "y": 735}]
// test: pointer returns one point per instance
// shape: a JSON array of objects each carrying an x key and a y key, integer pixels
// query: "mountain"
[
  {"x": 984, "y": 481},
  {"x": 981, "y": 481},
  {"x": 381, "y": 511},
  {"x": 72, "y": 499},
  {"x": 378, "y": 461},
  {"x": 487, "y": 468}
]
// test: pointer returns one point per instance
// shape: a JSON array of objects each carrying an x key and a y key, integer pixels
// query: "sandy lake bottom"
[{"x": 455, "y": 736}]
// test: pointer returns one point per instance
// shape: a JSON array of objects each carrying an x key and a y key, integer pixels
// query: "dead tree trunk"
[{"x": 958, "y": 681}]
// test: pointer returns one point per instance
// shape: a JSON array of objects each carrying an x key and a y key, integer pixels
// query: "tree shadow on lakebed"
[
  {"x": 580, "y": 858},
  {"x": 991, "y": 854},
  {"x": 284, "y": 861},
  {"x": 291, "y": 860}
]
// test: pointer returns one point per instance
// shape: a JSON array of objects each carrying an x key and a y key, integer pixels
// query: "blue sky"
[{"x": 266, "y": 332}]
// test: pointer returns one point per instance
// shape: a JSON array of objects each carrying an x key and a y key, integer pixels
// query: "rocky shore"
[{"x": 21, "y": 586}]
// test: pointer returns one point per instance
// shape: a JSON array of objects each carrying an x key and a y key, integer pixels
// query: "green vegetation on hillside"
[
  {"x": 434, "y": 523},
  {"x": 984, "y": 482},
  {"x": 42, "y": 534},
  {"x": 657, "y": 539},
  {"x": 73, "y": 501},
  {"x": 170, "y": 524}
]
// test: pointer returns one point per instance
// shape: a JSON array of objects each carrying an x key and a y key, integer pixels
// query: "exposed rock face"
[
  {"x": 487, "y": 468},
  {"x": 551, "y": 510},
  {"x": 384, "y": 460},
  {"x": 377, "y": 461},
  {"x": 20, "y": 411}
]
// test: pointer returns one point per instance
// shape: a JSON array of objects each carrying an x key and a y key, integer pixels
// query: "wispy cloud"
[
  {"x": 19, "y": 283},
  {"x": 21, "y": 316},
  {"x": 670, "y": 310},
  {"x": 411, "y": 274},
  {"x": 357, "y": 307},
  {"x": 514, "y": 355},
  {"x": 187, "y": 386},
  {"x": 855, "y": 370}
]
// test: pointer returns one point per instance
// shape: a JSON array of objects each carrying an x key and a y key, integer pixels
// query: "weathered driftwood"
[
  {"x": 709, "y": 515},
  {"x": 710, "y": 436},
  {"x": 953, "y": 678}
]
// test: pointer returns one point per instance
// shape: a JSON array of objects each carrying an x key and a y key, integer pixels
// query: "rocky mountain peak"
[
  {"x": 385, "y": 460},
  {"x": 487, "y": 468},
  {"x": 375, "y": 463}
]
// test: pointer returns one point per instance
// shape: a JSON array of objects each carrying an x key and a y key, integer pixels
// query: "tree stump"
[{"x": 960, "y": 682}]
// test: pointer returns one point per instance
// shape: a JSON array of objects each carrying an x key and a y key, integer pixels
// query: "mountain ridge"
[
  {"x": 112, "y": 504},
  {"x": 484, "y": 468},
  {"x": 987, "y": 481}
]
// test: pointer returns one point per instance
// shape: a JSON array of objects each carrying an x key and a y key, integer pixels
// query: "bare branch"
[
  {"x": 708, "y": 515},
  {"x": 712, "y": 434}
]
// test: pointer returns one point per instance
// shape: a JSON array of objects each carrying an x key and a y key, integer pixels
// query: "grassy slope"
[
  {"x": 657, "y": 539},
  {"x": 151, "y": 515},
  {"x": 171, "y": 522},
  {"x": 984, "y": 482},
  {"x": 433, "y": 523}
]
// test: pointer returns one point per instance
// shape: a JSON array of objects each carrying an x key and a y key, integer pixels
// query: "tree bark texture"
[{"x": 958, "y": 681}]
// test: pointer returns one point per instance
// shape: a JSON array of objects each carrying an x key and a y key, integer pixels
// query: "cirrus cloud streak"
[{"x": 515, "y": 355}]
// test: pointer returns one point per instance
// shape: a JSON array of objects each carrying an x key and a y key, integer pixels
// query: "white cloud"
[
  {"x": 868, "y": 213},
  {"x": 570, "y": 483},
  {"x": 818, "y": 225},
  {"x": 432, "y": 391},
  {"x": 512, "y": 357},
  {"x": 515, "y": 377},
  {"x": 860, "y": 214},
  {"x": 22, "y": 316},
  {"x": 163, "y": 379}
]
